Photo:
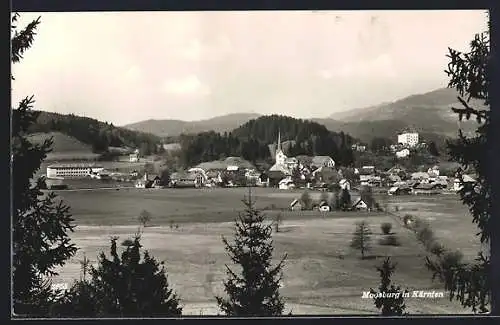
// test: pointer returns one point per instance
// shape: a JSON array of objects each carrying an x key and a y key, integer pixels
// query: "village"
[{"x": 306, "y": 173}]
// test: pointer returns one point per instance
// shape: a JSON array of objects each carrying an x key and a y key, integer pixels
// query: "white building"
[
  {"x": 457, "y": 185},
  {"x": 286, "y": 184},
  {"x": 134, "y": 157},
  {"x": 280, "y": 159},
  {"x": 403, "y": 153},
  {"x": 345, "y": 185},
  {"x": 72, "y": 170},
  {"x": 408, "y": 139}
]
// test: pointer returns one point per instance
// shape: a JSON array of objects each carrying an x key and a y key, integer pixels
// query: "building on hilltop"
[
  {"x": 409, "y": 139},
  {"x": 134, "y": 157}
]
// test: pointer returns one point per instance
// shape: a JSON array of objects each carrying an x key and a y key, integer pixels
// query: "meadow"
[{"x": 322, "y": 274}]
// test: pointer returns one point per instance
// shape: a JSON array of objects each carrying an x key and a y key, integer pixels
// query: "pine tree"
[
  {"x": 123, "y": 287},
  {"x": 40, "y": 223},
  {"x": 393, "y": 304},
  {"x": 469, "y": 75},
  {"x": 255, "y": 290},
  {"x": 361, "y": 238}
]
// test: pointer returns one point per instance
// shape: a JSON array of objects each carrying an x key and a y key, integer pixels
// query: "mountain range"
[{"x": 430, "y": 114}]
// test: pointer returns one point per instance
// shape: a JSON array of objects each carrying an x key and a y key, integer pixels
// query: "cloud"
[
  {"x": 133, "y": 73},
  {"x": 189, "y": 85},
  {"x": 197, "y": 50},
  {"x": 381, "y": 65}
]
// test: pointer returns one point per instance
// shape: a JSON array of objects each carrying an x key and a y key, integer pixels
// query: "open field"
[{"x": 322, "y": 274}]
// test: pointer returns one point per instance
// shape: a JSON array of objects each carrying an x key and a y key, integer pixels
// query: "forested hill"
[
  {"x": 100, "y": 135},
  {"x": 251, "y": 141}
]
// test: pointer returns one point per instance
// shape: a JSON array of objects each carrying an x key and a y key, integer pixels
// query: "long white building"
[{"x": 72, "y": 170}]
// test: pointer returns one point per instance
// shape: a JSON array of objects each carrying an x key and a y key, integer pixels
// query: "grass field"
[{"x": 316, "y": 279}]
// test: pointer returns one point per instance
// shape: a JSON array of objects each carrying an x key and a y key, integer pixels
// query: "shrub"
[
  {"x": 144, "y": 218},
  {"x": 425, "y": 234},
  {"x": 408, "y": 219},
  {"x": 436, "y": 248},
  {"x": 386, "y": 228},
  {"x": 451, "y": 259},
  {"x": 391, "y": 240}
]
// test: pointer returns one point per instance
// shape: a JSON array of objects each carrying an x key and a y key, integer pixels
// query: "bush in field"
[
  {"x": 436, "y": 248},
  {"x": 278, "y": 221},
  {"x": 386, "y": 228},
  {"x": 408, "y": 220},
  {"x": 361, "y": 238},
  {"x": 451, "y": 259},
  {"x": 425, "y": 234},
  {"x": 144, "y": 218},
  {"x": 391, "y": 240}
]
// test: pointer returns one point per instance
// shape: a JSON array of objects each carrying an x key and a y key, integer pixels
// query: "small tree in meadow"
[
  {"x": 361, "y": 238},
  {"x": 254, "y": 291},
  {"x": 393, "y": 303},
  {"x": 144, "y": 218},
  {"x": 278, "y": 222},
  {"x": 306, "y": 200},
  {"x": 335, "y": 201},
  {"x": 345, "y": 200},
  {"x": 386, "y": 228}
]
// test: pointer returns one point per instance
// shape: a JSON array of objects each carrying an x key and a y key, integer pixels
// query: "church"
[{"x": 282, "y": 162}]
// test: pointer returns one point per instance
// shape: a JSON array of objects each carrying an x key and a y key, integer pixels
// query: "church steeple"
[{"x": 278, "y": 148}]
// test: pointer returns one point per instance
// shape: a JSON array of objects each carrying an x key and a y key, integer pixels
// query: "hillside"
[
  {"x": 62, "y": 143},
  {"x": 64, "y": 147},
  {"x": 99, "y": 136},
  {"x": 173, "y": 128},
  {"x": 427, "y": 113},
  {"x": 367, "y": 130}
]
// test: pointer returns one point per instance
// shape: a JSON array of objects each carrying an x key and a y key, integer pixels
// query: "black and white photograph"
[{"x": 250, "y": 163}]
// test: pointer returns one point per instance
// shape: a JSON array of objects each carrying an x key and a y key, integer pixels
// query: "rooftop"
[{"x": 81, "y": 165}]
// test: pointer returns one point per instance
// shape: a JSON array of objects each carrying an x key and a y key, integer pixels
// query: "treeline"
[
  {"x": 251, "y": 141},
  {"x": 100, "y": 135}
]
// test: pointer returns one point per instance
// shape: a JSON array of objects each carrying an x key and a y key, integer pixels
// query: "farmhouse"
[
  {"x": 324, "y": 207},
  {"x": 296, "y": 205},
  {"x": 457, "y": 186},
  {"x": 286, "y": 184},
  {"x": 181, "y": 180},
  {"x": 72, "y": 170},
  {"x": 403, "y": 153},
  {"x": 426, "y": 189},
  {"x": 399, "y": 190},
  {"x": 359, "y": 204},
  {"x": 134, "y": 157},
  {"x": 322, "y": 161},
  {"x": 345, "y": 184}
]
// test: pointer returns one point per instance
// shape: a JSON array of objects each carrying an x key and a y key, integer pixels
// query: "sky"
[{"x": 125, "y": 67}]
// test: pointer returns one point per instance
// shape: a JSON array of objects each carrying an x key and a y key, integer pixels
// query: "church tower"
[{"x": 280, "y": 156}]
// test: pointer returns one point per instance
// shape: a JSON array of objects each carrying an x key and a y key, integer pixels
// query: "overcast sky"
[{"x": 126, "y": 67}]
